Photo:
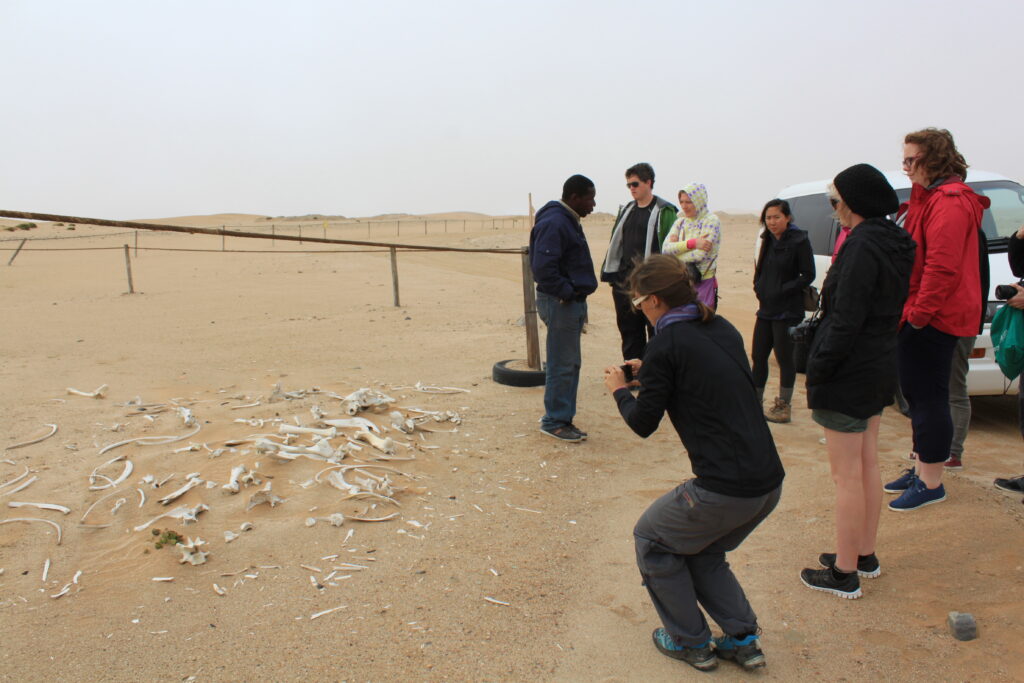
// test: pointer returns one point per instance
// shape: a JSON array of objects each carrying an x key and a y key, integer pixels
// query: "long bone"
[
  {"x": 111, "y": 483},
  {"x": 192, "y": 482},
  {"x": 41, "y": 506},
  {"x": 183, "y": 513},
  {"x": 24, "y": 485},
  {"x": 98, "y": 393},
  {"x": 329, "y": 432},
  {"x": 233, "y": 485},
  {"x": 385, "y": 445},
  {"x": 152, "y": 440},
  {"x": 18, "y": 478},
  {"x": 402, "y": 423},
  {"x": 353, "y": 422},
  {"x": 35, "y": 519},
  {"x": 53, "y": 430}
]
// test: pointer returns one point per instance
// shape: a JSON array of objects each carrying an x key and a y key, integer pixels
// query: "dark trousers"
[
  {"x": 925, "y": 357},
  {"x": 768, "y": 335},
  {"x": 633, "y": 326},
  {"x": 681, "y": 541}
]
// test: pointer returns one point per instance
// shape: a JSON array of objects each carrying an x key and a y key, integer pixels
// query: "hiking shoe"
[
  {"x": 918, "y": 495},
  {"x": 743, "y": 651},
  {"x": 701, "y": 657},
  {"x": 867, "y": 565},
  {"x": 565, "y": 433},
  {"x": 846, "y": 586},
  {"x": 781, "y": 412},
  {"x": 953, "y": 463},
  {"x": 903, "y": 483},
  {"x": 1012, "y": 484}
]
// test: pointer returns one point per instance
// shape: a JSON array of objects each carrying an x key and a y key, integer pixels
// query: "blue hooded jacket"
[{"x": 559, "y": 254}]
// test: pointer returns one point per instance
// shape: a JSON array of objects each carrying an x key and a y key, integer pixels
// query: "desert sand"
[{"x": 496, "y": 512}]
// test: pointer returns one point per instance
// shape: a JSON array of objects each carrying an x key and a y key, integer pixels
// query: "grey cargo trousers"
[{"x": 681, "y": 541}]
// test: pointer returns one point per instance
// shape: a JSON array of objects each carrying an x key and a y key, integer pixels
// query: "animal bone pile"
[{"x": 348, "y": 457}]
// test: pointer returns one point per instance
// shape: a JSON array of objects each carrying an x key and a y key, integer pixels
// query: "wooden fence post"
[
  {"x": 136, "y": 244},
  {"x": 15, "y": 254},
  {"x": 128, "y": 267},
  {"x": 530, "y": 314},
  {"x": 222, "y": 238},
  {"x": 394, "y": 274},
  {"x": 273, "y": 235}
]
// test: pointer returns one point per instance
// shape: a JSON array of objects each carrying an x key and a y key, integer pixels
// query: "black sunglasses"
[
  {"x": 635, "y": 183},
  {"x": 833, "y": 201}
]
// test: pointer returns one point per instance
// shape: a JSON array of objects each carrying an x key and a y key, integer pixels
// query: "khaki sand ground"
[{"x": 552, "y": 521}]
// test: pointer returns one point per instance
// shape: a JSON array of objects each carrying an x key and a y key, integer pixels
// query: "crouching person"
[{"x": 695, "y": 369}]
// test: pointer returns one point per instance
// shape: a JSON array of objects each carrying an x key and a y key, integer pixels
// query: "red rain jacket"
[{"x": 945, "y": 283}]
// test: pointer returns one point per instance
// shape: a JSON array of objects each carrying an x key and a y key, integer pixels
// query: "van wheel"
[{"x": 502, "y": 374}]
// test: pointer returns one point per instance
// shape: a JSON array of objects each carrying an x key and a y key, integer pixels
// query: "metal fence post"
[{"x": 15, "y": 254}]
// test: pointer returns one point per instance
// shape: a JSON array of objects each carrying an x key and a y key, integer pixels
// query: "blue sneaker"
[
  {"x": 743, "y": 651},
  {"x": 701, "y": 657},
  {"x": 903, "y": 483},
  {"x": 917, "y": 496}
]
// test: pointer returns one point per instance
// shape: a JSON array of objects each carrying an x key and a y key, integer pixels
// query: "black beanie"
[{"x": 865, "y": 190}]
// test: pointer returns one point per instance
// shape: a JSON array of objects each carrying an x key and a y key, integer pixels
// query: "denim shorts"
[{"x": 839, "y": 422}]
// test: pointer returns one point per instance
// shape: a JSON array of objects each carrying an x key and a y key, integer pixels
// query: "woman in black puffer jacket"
[
  {"x": 851, "y": 367},
  {"x": 785, "y": 266}
]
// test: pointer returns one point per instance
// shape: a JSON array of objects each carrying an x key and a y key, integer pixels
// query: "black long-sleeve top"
[
  {"x": 785, "y": 266},
  {"x": 698, "y": 373}
]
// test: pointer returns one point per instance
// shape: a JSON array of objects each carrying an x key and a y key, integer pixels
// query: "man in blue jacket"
[{"x": 564, "y": 273}]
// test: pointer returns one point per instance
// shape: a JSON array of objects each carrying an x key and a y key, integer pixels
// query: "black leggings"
[{"x": 768, "y": 335}]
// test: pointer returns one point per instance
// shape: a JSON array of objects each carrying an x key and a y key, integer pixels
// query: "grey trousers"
[
  {"x": 681, "y": 541},
  {"x": 959, "y": 401}
]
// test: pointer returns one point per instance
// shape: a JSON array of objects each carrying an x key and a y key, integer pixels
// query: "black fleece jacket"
[
  {"x": 851, "y": 365},
  {"x": 784, "y": 267},
  {"x": 698, "y": 373}
]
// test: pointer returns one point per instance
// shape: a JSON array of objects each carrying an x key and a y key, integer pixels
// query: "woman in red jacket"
[{"x": 944, "y": 303}]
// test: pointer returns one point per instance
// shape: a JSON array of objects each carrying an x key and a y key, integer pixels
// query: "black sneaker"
[
  {"x": 1011, "y": 484},
  {"x": 825, "y": 580},
  {"x": 701, "y": 657},
  {"x": 867, "y": 565},
  {"x": 743, "y": 651},
  {"x": 583, "y": 434},
  {"x": 565, "y": 433}
]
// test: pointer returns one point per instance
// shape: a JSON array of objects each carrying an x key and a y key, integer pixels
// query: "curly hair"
[{"x": 940, "y": 157}]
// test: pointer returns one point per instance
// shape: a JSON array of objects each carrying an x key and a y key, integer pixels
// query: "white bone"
[
  {"x": 189, "y": 485},
  {"x": 41, "y": 506},
  {"x": 230, "y": 536},
  {"x": 246, "y": 526},
  {"x": 335, "y": 519},
  {"x": 191, "y": 553},
  {"x": 323, "y": 447},
  {"x": 191, "y": 448},
  {"x": 233, "y": 484},
  {"x": 35, "y": 519},
  {"x": 152, "y": 440},
  {"x": 53, "y": 430},
  {"x": 317, "y": 615},
  {"x": 112, "y": 483},
  {"x": 89, "y": 509},
  {"x": 385, "y": 445},
  {"x": 15, "y": 480},
  {"x": 190, "y": 515},
  {"x": 63, "y": 591},
  {"x": 117, "y": 505},
  {"x": 428, "y": 389},
  {"x": 46, "y": 569},
  {"x": 401, "y": 423},
  {"x": 262, "y": 496},
  {"x": 24, "y": 485},
  {"x": 163, "y": 579},
  {"x": 364, "y": 398},
  {"x": 353, "y": 422},
  {"x": 317, "y": 412},
  {"x": 98, "y": 393},
  {"x": 186, "y": 416},
  {"x": 218, "y": 590},
  {"x": 148, "y": 479},
  {"x": 329, "y": 433},
  {"x": 250, "y": 479},
  {"x": 142, "y": 497}
]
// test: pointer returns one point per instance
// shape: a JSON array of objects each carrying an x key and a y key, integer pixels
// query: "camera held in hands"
[
  {"x": 627, "y": 370},
  {"x": 1006, "y": 292}
]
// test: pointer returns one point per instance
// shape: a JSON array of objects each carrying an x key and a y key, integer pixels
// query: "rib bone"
[
  {"x": 53, "y": 430},
  {"x": 191, "y": 484},
  {"x": 41, "y": 506},
  {"x": 35, "y": 519}
]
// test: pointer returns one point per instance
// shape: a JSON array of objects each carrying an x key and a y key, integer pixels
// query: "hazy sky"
[{"x": 141, "y": 109}]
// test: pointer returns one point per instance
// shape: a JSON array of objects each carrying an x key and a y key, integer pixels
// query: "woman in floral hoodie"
[{"x": 694, "y": 238}]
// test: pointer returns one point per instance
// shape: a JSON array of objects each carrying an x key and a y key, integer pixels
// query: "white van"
[{"x": 813, "y": 213}]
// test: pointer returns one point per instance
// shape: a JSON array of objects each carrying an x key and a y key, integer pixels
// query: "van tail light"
[{"x": 977, "y": 353}]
